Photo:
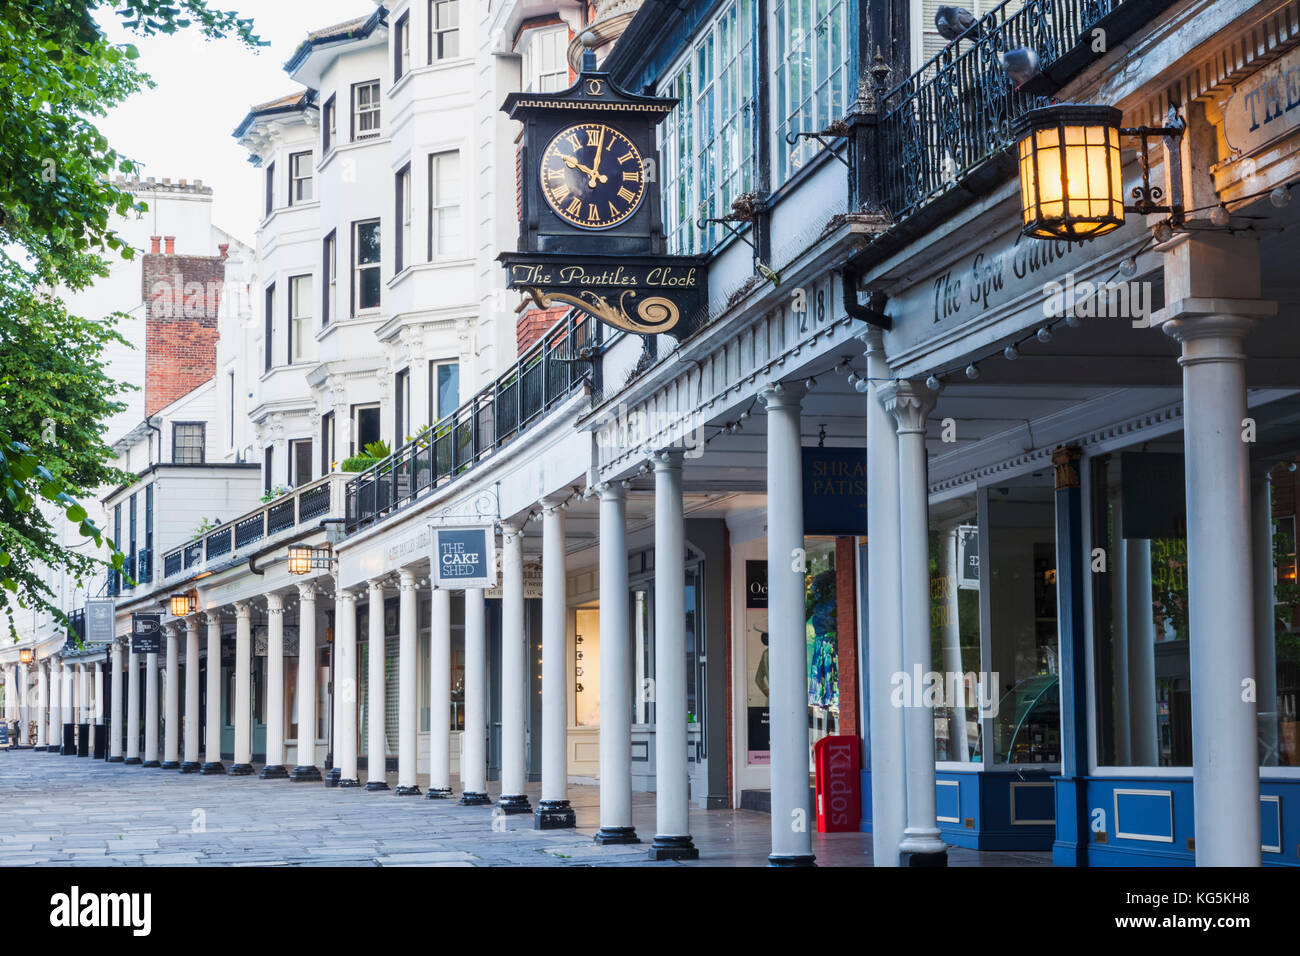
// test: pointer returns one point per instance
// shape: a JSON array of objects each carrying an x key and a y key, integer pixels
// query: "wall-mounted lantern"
[
  {"x": 182, "y": 604},
  {"x": 303, "y": 559},
  {"x": 1071, "y": 185}
]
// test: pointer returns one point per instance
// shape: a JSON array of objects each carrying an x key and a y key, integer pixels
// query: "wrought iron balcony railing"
[
  {"x": 955, "y": 113},
  {"x": 541, "y": 378},
  {"x": 292, "y": 511}
]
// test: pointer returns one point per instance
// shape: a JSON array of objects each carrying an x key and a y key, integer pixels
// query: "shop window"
[
  {"x": 586, "y": 667},
  {"x": 813, "y": 75},
  {"x": 955, "y": 629},
  {"x": 1020, "y": 519},
  {"x": 1278, "y": 714},
  {"x": 1143, "y": 669},
  {"x": 643, "y": 654},
  {"x": 322, "y": 692},
  {"x": 822, "y": 640}
]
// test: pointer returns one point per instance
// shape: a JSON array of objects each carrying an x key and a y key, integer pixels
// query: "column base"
[
  {"x": 373, "y": 785},
  {"x": 305, "y": 775},
  {"x": 438, "y": 793},
  {"x": 673, "y": 848},
  {"x": 346, "y": 783},
  {"x": 190, "y": 766},
  {"x": 515, "y": 803},
  {"x": 151, "y": 763},
  {"x": 406, "y": 792},
  {"x": 332, "y": 777},
  {"x": 170, "y": 765},
  {"x": 473, "y": 798},
  {"x": 38, "y": 747},
  {"x": 554, "y": 815},
  {"x": 212, "y": 767},
  {"x": 611, "y": 836},
  {"x": 113, "y": 759},
  {"x": 132, "y": 761},
  {"x": 274, "y": 772},
  {"x": 241, "y": 769},
  {"x": 783, "y": 860},
  {"x": 916, "y": 858}
]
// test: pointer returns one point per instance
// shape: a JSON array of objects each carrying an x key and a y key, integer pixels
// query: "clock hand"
[
  {"x": 600, "y": 149},
  {"x": 574, "y": 164}
]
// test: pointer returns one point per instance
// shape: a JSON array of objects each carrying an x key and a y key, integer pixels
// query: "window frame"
[
  {"x": 268, "y": 327},
  {"x": 330, "y": 270},
  {"x": 437, "y": 209},
  {"x": 357, "y": 266},
  {"x": 403, "y": 216},
  {"x": 436, "y": 35},
  {"x": 295, "y": 445},
  {"x": 357, "y": 446},
  {"x": 375, "y": 109},
  {"x": 329, "y": 125},
  {"x": 270, "y": 188},
  {"x": 402, "y": 46},
  {"x": 529, "y": 51},
  {"x": 296, "y": 180},
  {"x": 434, "y": 405},
  {"x": 299, "y": 326},
  {"x": 202, "y": 443}
]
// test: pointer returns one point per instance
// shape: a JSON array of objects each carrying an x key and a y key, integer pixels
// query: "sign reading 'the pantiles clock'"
[{"x": 590, "y": 231}]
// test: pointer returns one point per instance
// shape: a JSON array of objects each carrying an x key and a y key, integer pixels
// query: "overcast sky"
[{"x": 181, "y": 129}]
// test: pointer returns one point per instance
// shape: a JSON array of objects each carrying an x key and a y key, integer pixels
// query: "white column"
[
  {"x": 69, "y": 699},
  {"x": 274, "y": 769},
  {"x": 514, "y": 673},
  {"x": 132, "y": 704},
  {"x": 55, "y": 729},
  {"x": 305, "y": 770},
  {"x": 672, "y": 840},
  {"x": 792, "y": 821},
  {"x": 212, "y": 732},
  {"x": 553, "y": 810},
  {"x": 42, "y": 706},
  {"x": 243, "y": 716},
  {"x": 408, "y": 623},
  {"x": 191, "y": 762},
  {"x": 1140, "y": 646},
  {"x": 439, "y": 695},
  {"x": 910, "y": 403},
  {"x": 884, "y": 616},
  {"x": 1225, "y": 754},
  {"x": 345, "y": 688},
  {"x": 172, "y": 710},
  {"x": 615, "y": 672},
  {"x": 473, "y": 748},
  {"x": 83, "y": 695},
  {"x": 1265, "y": 613},
  {"x": 376, "y": 749},
  {"x": 1118, "y": 564},
  {"x": 98, "y": 706},
  {"x": 115, "y": 706},
  {"x": 151, "y": 711}
]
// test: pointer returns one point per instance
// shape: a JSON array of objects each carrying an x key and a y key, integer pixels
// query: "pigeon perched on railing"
[
  {"x": 953, "y": 22},
  {"x": 1020, "y": 65}
]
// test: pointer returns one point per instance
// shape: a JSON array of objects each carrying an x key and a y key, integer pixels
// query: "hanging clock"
[{"x": 592, "y": 176}]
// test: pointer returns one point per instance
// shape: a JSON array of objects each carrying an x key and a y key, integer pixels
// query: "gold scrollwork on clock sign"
[
  {"x": 653, "y": 315},
  {"x": 595, "y": 88}
]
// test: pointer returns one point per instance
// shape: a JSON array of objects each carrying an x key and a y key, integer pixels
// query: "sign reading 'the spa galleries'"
[{"x": 462, "y": 557}]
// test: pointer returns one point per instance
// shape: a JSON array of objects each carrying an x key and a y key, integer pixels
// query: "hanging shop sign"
[
  {"x": 758, "y": 715},
  {"x": 462, "y": 557},
  {"x": 1264, "y": 107},
  {"x": 590, "y": 229},
  {"x": 146, "y": 632},
  {"x": 835, "y": 490},
  {"x": 100, "y": 620}
]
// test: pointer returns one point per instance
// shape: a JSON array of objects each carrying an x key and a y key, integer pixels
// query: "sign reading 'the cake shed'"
[{"x": 462, "y": 557}]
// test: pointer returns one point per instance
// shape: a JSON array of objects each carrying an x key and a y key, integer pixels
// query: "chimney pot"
[
  {"x": 150, "y": 180},
  {"x": 224, "y": 249},
  {"x": 181, "y": 181},
  {"x": 198, "y": 183},
  {"x": 169, "y": 245},
  {"x": 167, "y": 181},
  {"x": 153, "y": 244}
]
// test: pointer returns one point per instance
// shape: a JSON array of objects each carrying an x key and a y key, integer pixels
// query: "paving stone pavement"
[{"x": 69, "y": 811}]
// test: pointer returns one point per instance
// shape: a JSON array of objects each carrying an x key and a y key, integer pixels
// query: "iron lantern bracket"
[
  {"x": 792, "y": 139},
  {"x": 1147, "y": 196}
]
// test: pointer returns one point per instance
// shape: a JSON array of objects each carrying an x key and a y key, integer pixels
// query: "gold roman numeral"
[
  {"x": 626, "y": 194},
  {"x": 613, "y": 213},
  {"x": 574, "y": 141},
  {"x": 560, "y": 192},
  {"x": 574, "y": 208},
  {"x": 631, "y": 177},
  {"x": 593, "y": 137},
  {"x": 625, "y": 157},
  {"x": 592, "y": 212}
]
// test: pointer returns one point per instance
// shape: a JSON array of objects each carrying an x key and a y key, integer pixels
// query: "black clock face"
[{"x": 592, "y": 176}]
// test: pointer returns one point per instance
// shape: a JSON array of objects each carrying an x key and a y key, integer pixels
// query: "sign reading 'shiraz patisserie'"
[{"x": 463, "y": 557}]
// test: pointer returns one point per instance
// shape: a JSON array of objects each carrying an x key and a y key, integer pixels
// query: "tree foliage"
[{"x": 59, "y": 74}]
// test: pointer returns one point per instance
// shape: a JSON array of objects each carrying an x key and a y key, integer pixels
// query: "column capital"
[
  {"x": 406, "y": 579},
  {"x": 307, "y": 591},
  {"x": 873, "y": 337},
  {"x": 376, "y": 584},
  {"x": 668, "y": 459},
  {"x": 513, "y": 528},
  {"x": 193, "y": 621},
  {"x": 171, "y": 629},
  {"x": 243, "y": 610},
  {"x": 555, "y": 502},
  {"x": 1066, "y": 461},
  {"x": 345, "y": 595},
  {"x": 214, "y": 618},
  {"x": 782, "y": 394},
  {"x": 274, "y": 602},
  {"x": 611, "y": 489},
  {"x": 910, "y": 402}
]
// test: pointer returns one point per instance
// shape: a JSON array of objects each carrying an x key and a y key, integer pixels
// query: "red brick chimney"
[
  {"x": 154, "y": 244},
  {"x": 182, "y": 295}
]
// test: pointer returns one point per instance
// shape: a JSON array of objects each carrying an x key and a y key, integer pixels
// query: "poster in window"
[{"x": 756, "y": 689}]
